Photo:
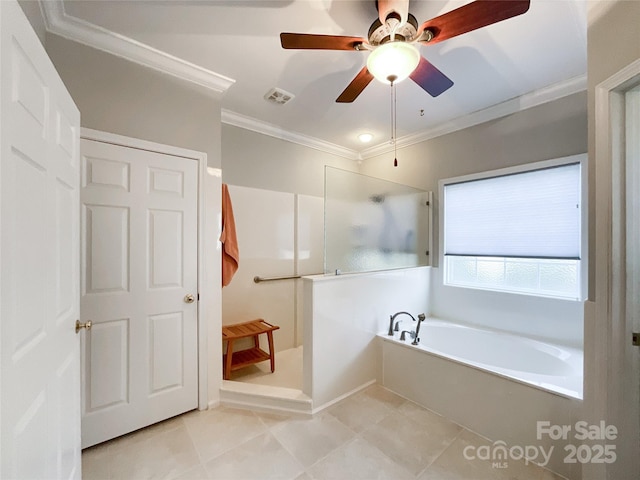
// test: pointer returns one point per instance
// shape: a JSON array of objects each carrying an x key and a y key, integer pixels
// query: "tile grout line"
[
  {"x": 193, "y": 444},
  {"x": 355, "y": 434},
  {"x": 284, "y": 447},
  {"x": 435, "y": 459},
  {"x": 227, "y": 449}
]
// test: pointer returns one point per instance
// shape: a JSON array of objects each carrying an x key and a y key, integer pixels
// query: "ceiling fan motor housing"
[
  {"x": 393, "y": 8},
  {"x": 380, "y": 33},
  {"x": 397, "y": 28}
]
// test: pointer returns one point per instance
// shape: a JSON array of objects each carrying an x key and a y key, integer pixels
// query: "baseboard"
[{"x": 342, "y": 397}]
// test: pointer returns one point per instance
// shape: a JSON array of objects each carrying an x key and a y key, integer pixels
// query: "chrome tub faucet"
[{"x": 392, "y": 318}]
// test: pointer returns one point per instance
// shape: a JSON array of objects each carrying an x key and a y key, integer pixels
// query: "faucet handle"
[{"x": 411, "y": 333}]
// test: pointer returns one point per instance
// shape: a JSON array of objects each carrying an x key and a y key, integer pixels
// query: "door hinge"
[
  {"x": 635, "y": 339},
  {"x": 198, "y": 297}
]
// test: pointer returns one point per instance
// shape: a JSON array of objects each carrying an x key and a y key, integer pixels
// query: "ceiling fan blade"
[
  {"x": 472, "y": 16},
  {"x": 355, "y": 88},
  {"x": 309, "y": 41},
  {"x": 432, "y": 80}
]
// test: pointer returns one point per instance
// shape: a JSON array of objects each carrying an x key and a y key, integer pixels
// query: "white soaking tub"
[
  {"x": 495, "y": 384},
  {"x": 544, "y": 365}
]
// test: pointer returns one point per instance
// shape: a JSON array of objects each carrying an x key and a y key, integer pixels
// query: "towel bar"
[{"x": 257, "y": 279}]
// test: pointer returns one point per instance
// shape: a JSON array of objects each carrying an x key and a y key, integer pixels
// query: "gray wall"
[
  {"x": 251, "y": 159},
  {"x": 552, "y": 130},
  {"x": 31, "y": 9},
  {"x": 118, "y": 96},
  {"x": 555, "y": 129},
  {"x": 613, "y": 40}
]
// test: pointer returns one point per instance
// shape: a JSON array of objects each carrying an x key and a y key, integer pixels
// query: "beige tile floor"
[{"x": 374, "y": 434}]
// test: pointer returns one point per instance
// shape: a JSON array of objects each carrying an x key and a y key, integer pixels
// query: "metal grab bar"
[{"x": 257, "y": 279}]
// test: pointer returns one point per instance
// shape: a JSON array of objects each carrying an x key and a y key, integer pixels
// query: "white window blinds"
[{"x": 534, "y": 214}]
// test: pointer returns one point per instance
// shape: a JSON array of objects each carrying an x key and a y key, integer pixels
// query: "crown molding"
[
  {"x": 517, "y": 104},
  {"x": 514, "y": 105},
  {"x": 249, "y": 123},
  {"x": 58, "y": 22}
]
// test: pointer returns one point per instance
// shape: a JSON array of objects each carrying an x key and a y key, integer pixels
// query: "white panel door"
[
  {"x": 139, "y": 265},
  {"x": 39, "y": 254}
]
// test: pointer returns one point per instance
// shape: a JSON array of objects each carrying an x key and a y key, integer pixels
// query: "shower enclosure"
[
  {"x": 362, "y": 224},
  {"x": 373, "y": 224}
]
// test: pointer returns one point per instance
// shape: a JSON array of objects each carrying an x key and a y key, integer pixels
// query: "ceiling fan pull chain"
[
  {"x": 391, "y": 109},
  {"x": 394, "y": 123}
]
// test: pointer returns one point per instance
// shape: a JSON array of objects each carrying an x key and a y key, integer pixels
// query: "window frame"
[{"x": 581, "y": 159}]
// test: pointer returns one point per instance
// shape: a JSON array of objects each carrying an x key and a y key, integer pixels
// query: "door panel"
[
  {"x": 165, "y": 342},
  {"x": 66, "y": 257},
  {"x": 139, "y": 263},
  {"x": 107, "y": 249},
  {"x": 100, "y": 172},
  {"x": 39, "y": 254},
  {"x": 165, "y": 249},
  {"x": 107, "y": 348}
]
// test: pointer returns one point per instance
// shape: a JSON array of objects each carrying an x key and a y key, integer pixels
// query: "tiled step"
[{"x": 264, "y": 397}]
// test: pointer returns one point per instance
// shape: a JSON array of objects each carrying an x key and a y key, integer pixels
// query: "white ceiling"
[{"x": 525, "y": 55}]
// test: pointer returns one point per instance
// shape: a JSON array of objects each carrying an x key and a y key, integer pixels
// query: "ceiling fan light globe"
[{"x": 393, "y": 60}]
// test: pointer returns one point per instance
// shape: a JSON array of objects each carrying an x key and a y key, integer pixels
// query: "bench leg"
[
  {"x": 271, "y": 352},
  {"x": 227, "y": 367}
]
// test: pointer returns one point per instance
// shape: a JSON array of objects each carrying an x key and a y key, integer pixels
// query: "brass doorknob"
[
  {"x": 79, "y": 325},
  {"x": 188, "y": 298}
]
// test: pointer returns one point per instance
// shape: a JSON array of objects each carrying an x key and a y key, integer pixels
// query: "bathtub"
[
  {"x": 547, "y": 366},
  {"x": 495, "y": 384}
]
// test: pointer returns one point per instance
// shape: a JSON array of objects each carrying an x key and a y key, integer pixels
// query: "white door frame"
[
  {"x": 205, "y": 288},
  {"x": 606, "y": 380}
]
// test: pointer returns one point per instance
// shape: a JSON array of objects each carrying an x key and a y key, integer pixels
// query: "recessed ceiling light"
[{"x": 365, "y": 137}]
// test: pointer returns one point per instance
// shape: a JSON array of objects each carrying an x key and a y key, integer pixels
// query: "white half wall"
[{"x": 342, "y": 316}]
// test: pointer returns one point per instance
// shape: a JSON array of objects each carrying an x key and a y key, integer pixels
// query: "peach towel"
[{"x": 230, "y": 253}]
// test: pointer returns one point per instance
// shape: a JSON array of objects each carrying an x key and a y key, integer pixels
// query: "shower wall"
[{"x": 279, "y": 235}]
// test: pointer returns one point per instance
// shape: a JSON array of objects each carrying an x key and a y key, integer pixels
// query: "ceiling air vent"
[{"x": 278, "y": 96}]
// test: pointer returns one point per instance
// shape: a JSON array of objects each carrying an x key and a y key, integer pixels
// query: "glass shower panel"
[{"x": 373, "y": 224}]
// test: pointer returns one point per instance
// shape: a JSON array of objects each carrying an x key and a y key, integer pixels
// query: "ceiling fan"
[{"x": 392, "y": 40}]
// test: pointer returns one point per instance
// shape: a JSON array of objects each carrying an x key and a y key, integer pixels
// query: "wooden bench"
[{"x": 243, "y": 358}]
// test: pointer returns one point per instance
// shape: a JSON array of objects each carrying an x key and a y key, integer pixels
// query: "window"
[{"x": 517, "y": 231}]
